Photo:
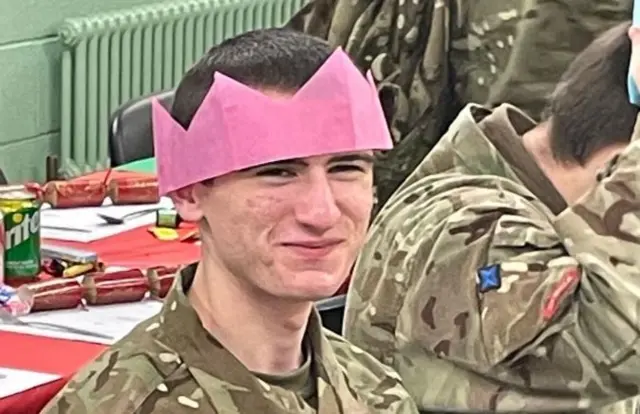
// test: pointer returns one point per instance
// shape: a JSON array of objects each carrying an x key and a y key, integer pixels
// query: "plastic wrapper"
[
  {"x": 61, "y": 268},
  {"x": 164, "y": 234},
  {"x": 17, "y": 302}
]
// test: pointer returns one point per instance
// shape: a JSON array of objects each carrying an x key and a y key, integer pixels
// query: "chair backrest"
[
  {"x": 332, "y": 312},
  {"x": 130, "y": 135}
]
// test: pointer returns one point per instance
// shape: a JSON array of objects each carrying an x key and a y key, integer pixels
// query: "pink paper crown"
[{"x": 237, "y": 127}]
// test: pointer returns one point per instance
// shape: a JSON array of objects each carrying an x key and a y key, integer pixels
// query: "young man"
[
  {"x": 431, "y": 57},
  {"x": 274, "y": 160},
  {"x": 504, "y": 274}
]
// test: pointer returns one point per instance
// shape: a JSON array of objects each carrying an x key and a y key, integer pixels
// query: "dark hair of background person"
[
  {"x": 590, "y": 109},
  {"x": 278, "y": 59}
]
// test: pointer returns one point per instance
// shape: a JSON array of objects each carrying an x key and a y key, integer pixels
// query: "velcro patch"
[
  {"x": 570, "y": 278},
  {"x": 489, "y": 278}
]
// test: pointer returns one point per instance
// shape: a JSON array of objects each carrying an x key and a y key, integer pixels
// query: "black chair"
[
  {"x": 3, "y": 178},
  {"x": 332, "y": 313},
  {"x": 130, "y": 135}
]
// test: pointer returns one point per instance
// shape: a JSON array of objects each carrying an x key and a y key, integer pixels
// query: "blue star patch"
[{"x": 489, "y": 278}]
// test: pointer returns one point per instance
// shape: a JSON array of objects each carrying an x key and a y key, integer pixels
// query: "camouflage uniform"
[
  {"x": 484, "y": 291},
  {"x": 431, "y": 57},
  {"x": 170, "y": 364}
]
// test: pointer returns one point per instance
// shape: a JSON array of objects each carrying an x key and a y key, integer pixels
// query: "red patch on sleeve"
[{"x": 570, "y": 278}]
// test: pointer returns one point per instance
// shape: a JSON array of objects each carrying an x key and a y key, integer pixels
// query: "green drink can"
[{"x": 21, "y": 217}]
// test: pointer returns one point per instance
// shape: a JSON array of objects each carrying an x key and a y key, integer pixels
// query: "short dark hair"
[
  {"x": 590, "y": 109},
  {"x": 279, "y": 59}
]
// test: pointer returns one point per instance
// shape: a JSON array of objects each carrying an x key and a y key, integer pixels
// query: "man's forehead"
[{"x": 363, "y": 156}]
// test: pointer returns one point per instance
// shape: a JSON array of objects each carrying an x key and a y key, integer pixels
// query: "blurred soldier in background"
[
  {"x": 504, "y": 273},
  {"x": 431, "y": 57}
]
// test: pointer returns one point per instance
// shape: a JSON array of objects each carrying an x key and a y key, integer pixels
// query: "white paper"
[
  {"x": 84, "y": 224},
  {"x": 15, "y": 381},
  {"x": 115, "y": 321}
]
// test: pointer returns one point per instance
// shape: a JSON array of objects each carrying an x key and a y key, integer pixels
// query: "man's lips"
[{"x": 313, "y": 248}]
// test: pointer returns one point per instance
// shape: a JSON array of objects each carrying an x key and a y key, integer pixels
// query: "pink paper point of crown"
[{"x": 237, "y": 127}]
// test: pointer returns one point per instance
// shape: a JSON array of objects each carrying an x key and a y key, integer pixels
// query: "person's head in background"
[
  {"x": 285, "y": 233},
  {"x": 589, "y": 119}
]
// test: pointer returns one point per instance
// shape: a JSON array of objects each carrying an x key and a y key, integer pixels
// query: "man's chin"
[{"x": 314, "y": 285}]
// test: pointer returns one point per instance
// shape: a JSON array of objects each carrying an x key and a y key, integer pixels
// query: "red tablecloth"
[
  {"x": 136, "y": 248},
  {"x": 55, "y": 356}
]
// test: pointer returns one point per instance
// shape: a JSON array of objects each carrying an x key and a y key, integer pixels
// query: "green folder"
[{"x": 147, "y": 165}]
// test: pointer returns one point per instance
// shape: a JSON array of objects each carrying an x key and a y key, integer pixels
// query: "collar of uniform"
[
  {"x": 504, "y": 128},
  {"x": 218, "y": 371},
  {"x": 481, "y": 141}
]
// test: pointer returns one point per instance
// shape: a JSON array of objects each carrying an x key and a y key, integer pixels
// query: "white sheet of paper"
[
  {"x": 15, "y": 381},
  {"x": 84, "y": 225},
  {"x": 115, "y": 321}
]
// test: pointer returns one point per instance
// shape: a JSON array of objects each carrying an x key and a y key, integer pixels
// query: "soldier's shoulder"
[
  {"x": 118, "y": 380},
  {"x": 403, "y": 247},
  {"x": 355, "y": 360},
  {"x": 419, "y": 213},
  {"x": 375, "y": 382}
]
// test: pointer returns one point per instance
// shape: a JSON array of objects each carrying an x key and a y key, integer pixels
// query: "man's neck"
[
  {"x": 263, "y": 334},
  {"x": 571, "y": 179}
]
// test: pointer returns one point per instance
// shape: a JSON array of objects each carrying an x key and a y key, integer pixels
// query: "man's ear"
[{"x": 187, "y": 204}]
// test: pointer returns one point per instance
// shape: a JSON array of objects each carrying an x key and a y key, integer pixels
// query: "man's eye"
[
  {"x": 276, "y": 172},
  {"x": 345, "y": 168}
]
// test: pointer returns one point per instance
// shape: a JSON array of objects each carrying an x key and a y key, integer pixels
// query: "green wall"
[{"x": 30, "y": 79}]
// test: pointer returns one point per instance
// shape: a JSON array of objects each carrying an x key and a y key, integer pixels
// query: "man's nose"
[{"x": 316, "y": 207}]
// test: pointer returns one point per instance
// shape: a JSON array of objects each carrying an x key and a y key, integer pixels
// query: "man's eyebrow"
[
  {"x": 291, "y": 161},
  {"x": 368, "y": 158}
]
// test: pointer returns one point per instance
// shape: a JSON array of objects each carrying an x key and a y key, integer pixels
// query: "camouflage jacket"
[
  {"x": 170, "y": 364},
  {"x": 485, "y": 292},
  {"x": 431, "y": 57}
]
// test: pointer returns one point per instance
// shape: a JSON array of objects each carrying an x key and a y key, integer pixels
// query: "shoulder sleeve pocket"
[
  {"x": 533, "y": 269},
  {"x": 516, "y": 231}
]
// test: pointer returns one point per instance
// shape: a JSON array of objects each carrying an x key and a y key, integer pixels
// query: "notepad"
[
  {"x": 111, "y": 322},
  {"x": 15, "y": 381},
  {"x": 84, "y": 225}
]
